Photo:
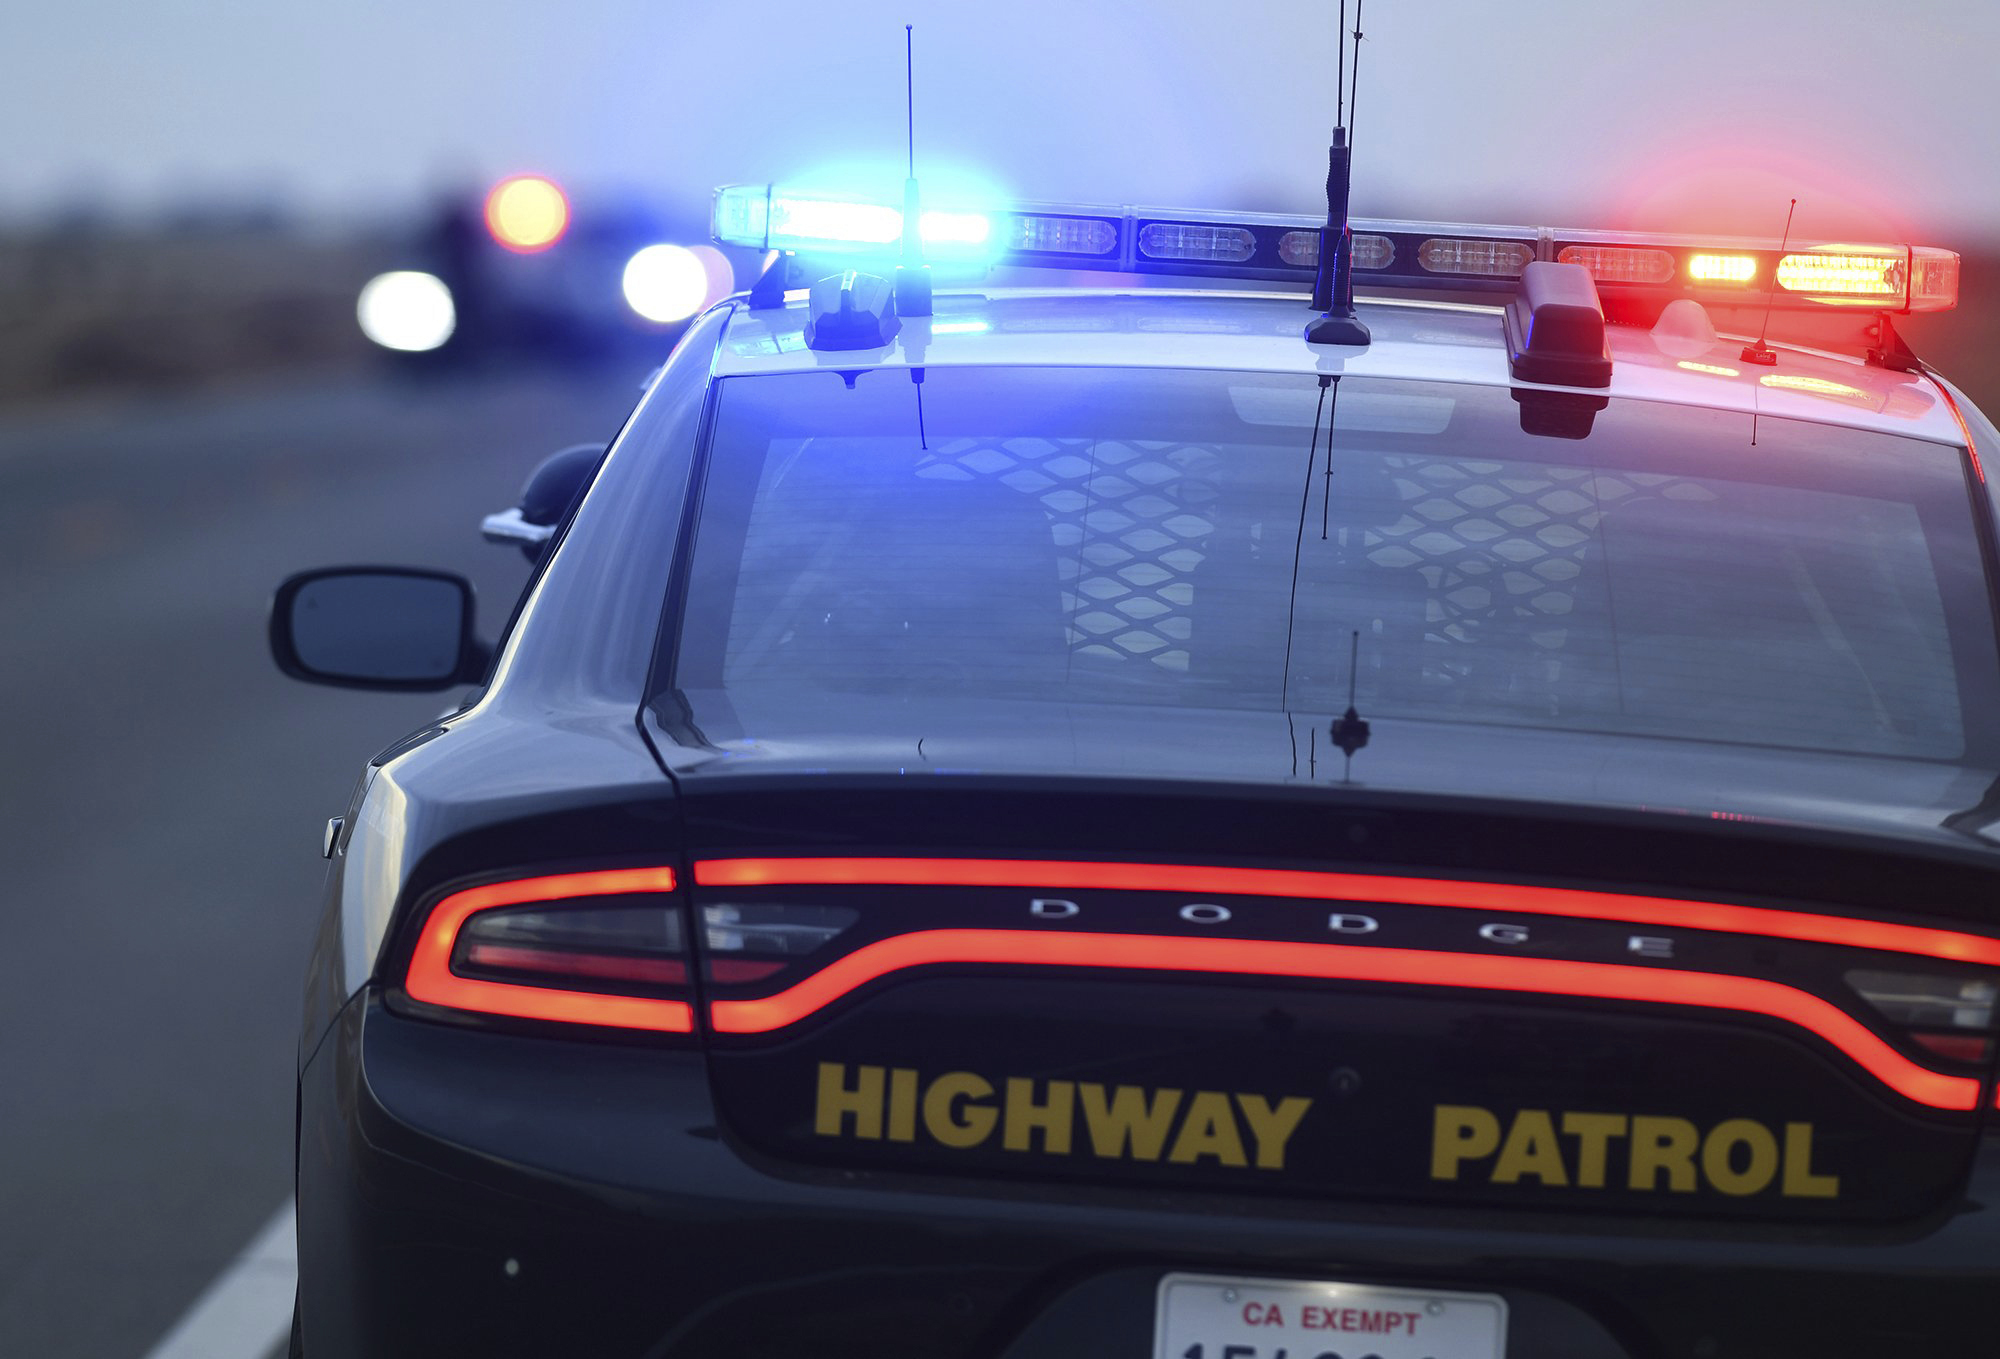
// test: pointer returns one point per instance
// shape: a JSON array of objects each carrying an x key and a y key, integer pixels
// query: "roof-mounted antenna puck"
[
  {"x": 1333, "y": 279},
  {"x": 1555, "y": 327},
  {"x": 1555, "y": 334},
  {"x": 851, "y": 311},
  {"x": 913, "y": 276}
]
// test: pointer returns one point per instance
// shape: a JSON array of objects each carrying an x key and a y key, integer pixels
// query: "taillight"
[
  {"x": 1951, "y": 1016},
  {"x": 750, "y": 941},
  {"x": 604, "y": 948}
]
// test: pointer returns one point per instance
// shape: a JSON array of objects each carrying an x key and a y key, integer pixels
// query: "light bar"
[
  {"x": 782, "y": 219},
  {"x": 1892, "y": 278},
  {"x": 1708, "y": 268},
  {"x": 1620, "y": 264},
  {"x": 1385, "y": 254}
]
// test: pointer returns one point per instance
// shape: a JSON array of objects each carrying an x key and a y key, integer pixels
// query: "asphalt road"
[{"x": 163, "y": 789}]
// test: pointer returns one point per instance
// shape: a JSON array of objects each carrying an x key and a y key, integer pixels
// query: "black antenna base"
[
  {"x": 1350, "y": 733},
  {"x": 1759, "y": 353},
  {"x": 1337, "y": 328}
]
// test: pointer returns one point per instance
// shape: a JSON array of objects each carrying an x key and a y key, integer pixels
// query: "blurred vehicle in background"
[{"x": 525, "y": 271}]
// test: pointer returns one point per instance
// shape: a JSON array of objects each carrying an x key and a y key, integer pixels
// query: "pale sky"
[{"x": 1697, "y": 115}]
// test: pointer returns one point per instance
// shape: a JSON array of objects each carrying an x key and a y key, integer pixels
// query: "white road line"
[{"x": 247, "y": 1311}]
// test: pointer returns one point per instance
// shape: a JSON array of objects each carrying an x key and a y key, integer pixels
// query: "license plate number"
[{"x": 1205, "y": 1316}]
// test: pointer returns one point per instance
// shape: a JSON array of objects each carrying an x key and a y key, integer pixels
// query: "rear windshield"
[{"x": 1175, "y": 539}]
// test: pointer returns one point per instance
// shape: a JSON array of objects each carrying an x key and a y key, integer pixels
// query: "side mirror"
[
  {"x": 553, "y": 489},
  {"x": 376, "y": 627}
]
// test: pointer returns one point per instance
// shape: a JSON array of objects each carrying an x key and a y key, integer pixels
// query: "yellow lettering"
[
  {"x": 1209, "y": 1130},
  {"x": 902, "y": 1104},
  {"x": 1461, "y": 1132},
  {"x": 955, "y": 1125},
  {"x": 1531, "y": 1150},
  {"x": 1718, "y": 1160},
  {"x": 1663, "y": 1144},
  {"x": 1128, "y": 1116},
  {"x": 1593, "y": 1133},
  {"x": 1024, "y": 1116},
  {"x": 837, "y": 1102},
  {"x": 1272, "y": 1127},
  {"x": 1800, "y": 1182}
]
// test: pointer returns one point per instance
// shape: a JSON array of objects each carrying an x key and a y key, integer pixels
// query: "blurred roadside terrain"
[{"x": 93, "y": 310}]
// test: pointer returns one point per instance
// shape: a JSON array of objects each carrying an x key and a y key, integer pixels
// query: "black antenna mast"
[
  {"x": 1333, "y": 281},
  {"x": 1761, "y": 352},
  {"x": 913, "y": 276}
]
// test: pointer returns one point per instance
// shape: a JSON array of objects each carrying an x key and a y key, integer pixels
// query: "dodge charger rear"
[{"x": 998, "y": 858}]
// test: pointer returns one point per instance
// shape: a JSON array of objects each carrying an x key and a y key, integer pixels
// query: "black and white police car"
[{"x": 1075, "y": 821}]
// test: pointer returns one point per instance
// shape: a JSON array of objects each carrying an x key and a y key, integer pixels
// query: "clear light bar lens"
[
  {"x": 1619, "y": 263},
  {"x": 1196, "y": 241},
  {"x": 1300, "y": 248},
  {"x": 1061, "y": 235},
  {"x": 748, "y": 214},
  {"x": 1480, "y": 259},
  {"x": 1707, "y": 268},
  {"x": 953, "y": 228},
  {"x": 1926, "y": 1001},
  {"x": 812, "y": 221},
  {"x": 1369, "y": 251},
  {"x": 1849, "y": 275},
  {"x": 1933, "y": 279}
]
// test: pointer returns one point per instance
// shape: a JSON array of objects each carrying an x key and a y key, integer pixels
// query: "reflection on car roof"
[{"x": 1426, "y": 341}]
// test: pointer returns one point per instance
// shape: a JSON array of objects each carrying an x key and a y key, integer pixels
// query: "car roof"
[{"x": 1416, "y": 340}]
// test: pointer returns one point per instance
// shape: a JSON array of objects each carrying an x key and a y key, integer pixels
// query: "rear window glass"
[{"x": 1173, "y": 539}]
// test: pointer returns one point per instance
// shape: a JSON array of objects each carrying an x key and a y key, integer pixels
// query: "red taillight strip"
[
  {"x": 1347, "y": 962},
  {"x": 432, "y": 981},
  {"x": 1359, "y": 887},
  {"x": 611, "y": 967}
]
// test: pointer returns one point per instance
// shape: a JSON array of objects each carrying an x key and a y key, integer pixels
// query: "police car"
[
  {"x": 1192, "y": 824},
  {"x": 524, "y": 270}
]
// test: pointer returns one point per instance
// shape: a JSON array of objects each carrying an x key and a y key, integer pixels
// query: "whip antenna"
[
  {"x": 1333, "y": 281},
  {"x": 913, "y": 276},
  {"x": 1761, "y": 352}
]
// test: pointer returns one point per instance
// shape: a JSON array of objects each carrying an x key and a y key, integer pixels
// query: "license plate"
[{"x": 1203, "y": 1316}]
